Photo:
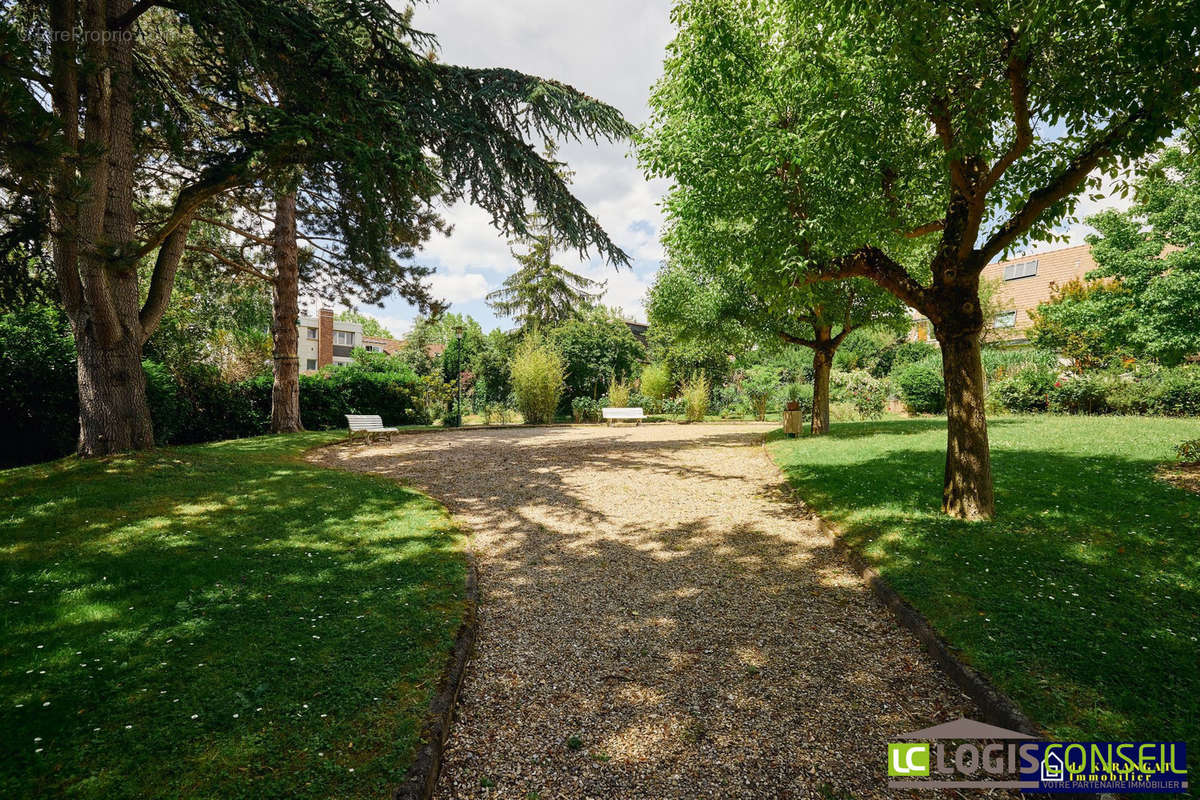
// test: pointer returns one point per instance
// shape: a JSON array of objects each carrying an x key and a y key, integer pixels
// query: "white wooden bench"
[
  {"x": 370, "y": 426},
  {"x": 612, "y": 413}
]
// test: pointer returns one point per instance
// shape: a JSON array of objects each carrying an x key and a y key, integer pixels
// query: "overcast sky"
[{"x": 612, "y": 50}]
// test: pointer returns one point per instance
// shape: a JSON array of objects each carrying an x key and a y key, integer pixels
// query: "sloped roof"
[{"x": 964, "y": 729}]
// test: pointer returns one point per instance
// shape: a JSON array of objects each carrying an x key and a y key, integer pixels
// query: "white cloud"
[{"x": 459, "y": 288}]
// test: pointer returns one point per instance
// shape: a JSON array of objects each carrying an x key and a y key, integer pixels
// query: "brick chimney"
[{"x": 324, "y": 337}]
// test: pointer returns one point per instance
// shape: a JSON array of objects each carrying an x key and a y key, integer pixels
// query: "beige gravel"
[{"x": 659, "y": 619}]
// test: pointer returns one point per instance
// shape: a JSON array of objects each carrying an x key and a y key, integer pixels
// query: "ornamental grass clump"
[
  {"x": 618, "y": 394},
  {"x": 695, "y": 397},
  {"x": 537, "y": 378}
]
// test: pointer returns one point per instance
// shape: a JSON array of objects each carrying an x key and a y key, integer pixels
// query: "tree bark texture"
[
  {"x": 285, "y": 392},
  {"x": 967, "y": 487}
]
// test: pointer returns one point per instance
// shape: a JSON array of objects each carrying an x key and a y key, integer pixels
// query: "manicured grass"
[
  {"x": 222, "y": 620},
  {"x": 1081, "y": 599}
]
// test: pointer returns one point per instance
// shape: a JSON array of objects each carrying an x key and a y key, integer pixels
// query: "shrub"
[
  {"x": 585, "y": 409},
  {"x": 1026, "y": 391},
  {"x": 39, "y": 401},
  {"x": 695, "y": 397},
  {"x": 618, "y": 394},
  {"x": 802, "y": 393},
  {"x": 673, "y": 406},
  {"x": 868, "y": 395},
  {"x": 759, "y": 386},
  {"x": 655, "y": 386},
  {"x": 921, "y": 388},
  {"x": 497, "y": 414},
  {"x": 906, "y": 353},
  {"x": 537, "y": 377},
  {"x": 1174, "y": 392},
  {"x": 1189, "y": 452},
  {"x": 1083, "y": 394}
]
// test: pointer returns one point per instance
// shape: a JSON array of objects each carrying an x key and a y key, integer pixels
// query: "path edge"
[{"x": 422, "y": 777}]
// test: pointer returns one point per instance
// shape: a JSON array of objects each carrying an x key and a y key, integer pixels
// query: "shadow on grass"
[
  {"x": 1082, "y": 597},
  {"x": 201, "y": 620}
]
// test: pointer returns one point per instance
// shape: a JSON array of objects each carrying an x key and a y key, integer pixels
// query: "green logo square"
[{"x": 908, "y": 759}]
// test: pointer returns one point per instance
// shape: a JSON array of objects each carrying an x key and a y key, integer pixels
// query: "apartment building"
[
  {"x": 326, "y": 340},
  {"x": 1022, "y": 284}
]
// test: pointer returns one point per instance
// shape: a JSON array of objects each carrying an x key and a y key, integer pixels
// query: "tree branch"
[
  {"x": 940, "y": 114},
  {"x": 926, "y": 229},
  {"x": 790, "y": 339},
  {"x": 1061, "y": 185},
  {"x": 245, "y": 234},
  {"x": 129, "y": 17},
  {"x": 1019, "y": 89},
  {"x": 234, "y": 264},
  {"x": 211, "y": 183},
  {"x": 875, "y": 265}
]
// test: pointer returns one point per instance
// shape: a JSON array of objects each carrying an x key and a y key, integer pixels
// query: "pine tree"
[{"x": 542, "y": 294}]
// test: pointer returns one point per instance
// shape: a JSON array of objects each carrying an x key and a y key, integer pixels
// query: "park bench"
[
  {"x": 611, "y": 414},
  {"x": 370, "y": 426}
]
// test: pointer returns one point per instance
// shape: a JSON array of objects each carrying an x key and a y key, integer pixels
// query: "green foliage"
[
  {"x": 760, "y": 386},
  {"x": 921, "y": 388},
  {"x": 695, "y": 397},
  {"x": 868, "y": 395},
  {"x": 537, "y": 379},
  {"x": 39, "y": 398},
  {"x": 541, "y": 294},
  {"x": 1081, "y": 394},
  {"x": 1188, "y": 452},
  {"x": 585, "y": 409},
  {"x": 597, "y": 348},
  {"x": 237, "y": 583},
  {"x": 655, "y": 385},
  {"x": 618, "y": 394},
  {"x": 1024, "y": 391}
]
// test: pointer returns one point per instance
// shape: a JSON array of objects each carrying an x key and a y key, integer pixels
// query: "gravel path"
[{"x": 659, "y": 620}]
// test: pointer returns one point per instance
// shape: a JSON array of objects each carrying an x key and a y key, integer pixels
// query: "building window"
[
  {"x": 311, "y": 365},
  {"x": 312, "y": 332},
  {"x": 1022, "y": 269},
  {"x": 343, "y": 337},
  {"x": 372, "y": 348},
  {"x": 1006, "y": 320}
]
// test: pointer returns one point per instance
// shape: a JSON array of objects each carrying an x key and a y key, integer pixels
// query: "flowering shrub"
[{"x": 867, "y": 394}]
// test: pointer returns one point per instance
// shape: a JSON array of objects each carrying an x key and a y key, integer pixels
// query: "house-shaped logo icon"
[{"x": 1052, "y": 767}]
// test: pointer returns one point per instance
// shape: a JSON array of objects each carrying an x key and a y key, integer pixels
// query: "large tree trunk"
[
  {"x": 967, "y": 489},
  {"x": 285, "y": 393},
  {"x": 822, "y": 365},
  {"x": 113, "y": 412}
]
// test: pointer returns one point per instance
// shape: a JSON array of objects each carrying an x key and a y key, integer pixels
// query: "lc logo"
[{"x": 908, "y": 759}]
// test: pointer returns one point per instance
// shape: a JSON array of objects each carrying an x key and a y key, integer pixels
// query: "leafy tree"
[
  {"x": 1143, "y": 298},
  {"x": 699, "y": 300},
  {"x": 101, "y": 120},
  {"x": 370, "y": 325},
  {"x": 542, "y": 294},
  {"x": 537, "y": 379},
  {"x": 924, "y": 139},
  {"x": 597, "y": 348},
  {"x": 493, "y": 381}
]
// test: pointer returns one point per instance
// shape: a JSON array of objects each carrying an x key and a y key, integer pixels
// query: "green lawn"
[
  {"x": 219, "y": 620},
  {"x": 1081, "y": 599}
]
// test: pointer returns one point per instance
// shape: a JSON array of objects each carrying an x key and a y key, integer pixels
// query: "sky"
[{"x": 611, "y": 50}]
